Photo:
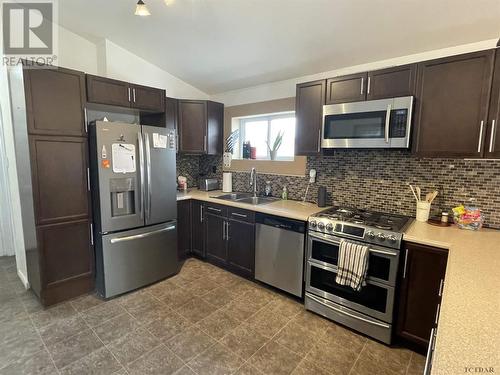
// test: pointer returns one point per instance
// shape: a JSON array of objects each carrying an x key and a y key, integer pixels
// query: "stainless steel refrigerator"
[{"x": 134, "y": 203}]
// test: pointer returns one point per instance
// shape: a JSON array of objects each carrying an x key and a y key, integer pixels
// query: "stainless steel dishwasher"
[{"x": 279, "y": 252}]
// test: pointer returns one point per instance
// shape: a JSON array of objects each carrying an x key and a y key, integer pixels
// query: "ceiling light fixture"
[{"x": 141, "y": 9}]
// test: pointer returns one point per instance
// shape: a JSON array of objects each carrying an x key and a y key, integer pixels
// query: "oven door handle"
[
  {"x": 385, "y": 252},
  {"x": 380, "y": 324},
  {"x": 330, "y": 240}
]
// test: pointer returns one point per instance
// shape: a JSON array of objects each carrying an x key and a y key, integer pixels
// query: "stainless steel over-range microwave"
[{"x": 384, "y": 123}]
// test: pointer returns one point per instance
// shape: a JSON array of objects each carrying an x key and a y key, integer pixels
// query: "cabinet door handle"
[
  {"x": 201, "y": 213},
  {"x": 88, "y": 179},
  {"x": 437, "y": 314},
  {"x": 227, "y": 230},
  {"x": 129, "y": 94},
  {"x": 406, "y": 260},
  {"x": 428, "y": 358},
  {"x": 223, "y": 230},
  {"x": 133, "y": 91},
  {"x": 492, "y": 135},
  {"x": 441, "y": 283},
  {"x": 214, "y": 209},
  {"x": 369, "y": 84},
  {"x": 239, "y": 215},
  {"x": 319, "y": 140},
  {"x": 480, "y": 137},
  {"x": 362, "y": 85},
  {"x": 92, "y": 234},
  {"x": 204, "y": 143},
  {"x": 85, "y": 118}
]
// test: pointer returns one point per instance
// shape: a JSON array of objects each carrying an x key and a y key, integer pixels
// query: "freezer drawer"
[{"x": 132, "y": 259}]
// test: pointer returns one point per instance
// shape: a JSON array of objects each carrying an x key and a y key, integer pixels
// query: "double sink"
[{"x": 246, "y": 198}]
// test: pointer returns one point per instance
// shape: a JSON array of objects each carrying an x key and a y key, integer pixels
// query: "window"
[{"x": 261, "y": 131}]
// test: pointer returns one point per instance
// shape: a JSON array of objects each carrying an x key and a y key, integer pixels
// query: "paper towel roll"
[{"x": 227, "y": 182}]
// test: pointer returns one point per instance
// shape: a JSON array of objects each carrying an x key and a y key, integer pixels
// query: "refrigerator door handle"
[
  {"x": 142, "y": 235},
  {"x": 148, "y": 173},
  {"x": 141, "y": 172}
]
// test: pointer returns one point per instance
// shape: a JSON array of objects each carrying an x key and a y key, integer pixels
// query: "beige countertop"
[
  {"x": 290, "y": 209},
  {"x": 468, "y": 333}
]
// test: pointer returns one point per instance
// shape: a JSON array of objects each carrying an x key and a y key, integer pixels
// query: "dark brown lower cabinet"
[
  {"x": 183, "y": 229},
  {"x": 215, "y": 240},
  {"x": 241, "y": 247},
  {"x": 229, "y": 242},
  {"x": 421, "y": 285},
  {"x": 197, "y": 229},
  {"x": 67, "y": 258}
]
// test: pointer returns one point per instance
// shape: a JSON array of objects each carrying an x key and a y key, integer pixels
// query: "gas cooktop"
[{"x": 368, "y": 226}]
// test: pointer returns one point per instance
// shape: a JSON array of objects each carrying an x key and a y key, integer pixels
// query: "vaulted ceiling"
[{"x": 220, "y": 45}]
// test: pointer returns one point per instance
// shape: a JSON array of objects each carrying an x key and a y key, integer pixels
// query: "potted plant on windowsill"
[{"x": 273, "y": 152}]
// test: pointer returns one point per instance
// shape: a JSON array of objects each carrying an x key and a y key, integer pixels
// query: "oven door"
[
  {"x": 323, "y": 249},
  {"x": 374, "y": 299},
  {"x": 381, "y": 123}
]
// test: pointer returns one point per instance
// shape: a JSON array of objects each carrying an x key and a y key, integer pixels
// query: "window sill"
[{"x": 295, "y": 167}]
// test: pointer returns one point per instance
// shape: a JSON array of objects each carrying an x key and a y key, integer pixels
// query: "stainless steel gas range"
[{"x": 369, "y": 310}]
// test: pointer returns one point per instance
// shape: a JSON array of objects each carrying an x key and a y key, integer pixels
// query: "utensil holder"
[{"x": 423, "y": 211}]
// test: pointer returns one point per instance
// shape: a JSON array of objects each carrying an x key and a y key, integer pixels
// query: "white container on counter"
[
  {"x": 423, "y": 211},
  {"x": 227, "y": 182}
]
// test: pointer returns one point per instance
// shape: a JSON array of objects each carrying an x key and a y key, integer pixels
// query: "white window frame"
[{"x": 269, "y": 117}]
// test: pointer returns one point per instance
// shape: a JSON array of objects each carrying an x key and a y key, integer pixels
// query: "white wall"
[
  {"x": 12, "y": 208},
  {"x": 286, "y": 89},
  {"x": 75, "y": 52},
  {"x": 124, "y": 65}
]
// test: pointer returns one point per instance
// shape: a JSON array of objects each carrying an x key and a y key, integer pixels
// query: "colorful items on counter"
[{"x": 468, "y": 217}]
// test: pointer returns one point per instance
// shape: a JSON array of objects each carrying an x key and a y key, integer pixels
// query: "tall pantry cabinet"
[{"x": 60, "y": 252}]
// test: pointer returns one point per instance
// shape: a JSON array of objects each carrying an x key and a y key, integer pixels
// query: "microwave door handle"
[
  {"x": 387, "y": 122},
  {"x": 141, "y": 172}
]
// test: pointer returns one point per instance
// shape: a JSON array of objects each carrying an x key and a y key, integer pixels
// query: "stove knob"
[
  {"x": 329, "y": 227},
  {"x": 370, "y": 235},
  {"x": 381, "y": 237},
  {"x": 391, "y": 239},
  {"x": 321, "y": 225},
  {"x": 313, "y": 223}
]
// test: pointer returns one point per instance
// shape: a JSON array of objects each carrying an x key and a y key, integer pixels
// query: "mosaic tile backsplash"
[{"x": 377, "y": 180}]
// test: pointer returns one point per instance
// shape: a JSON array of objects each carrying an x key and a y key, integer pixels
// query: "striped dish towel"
[{"x": 352, "y": 265}]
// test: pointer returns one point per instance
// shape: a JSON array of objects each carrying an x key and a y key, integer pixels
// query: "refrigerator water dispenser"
[{"x": 122, "y": 196}]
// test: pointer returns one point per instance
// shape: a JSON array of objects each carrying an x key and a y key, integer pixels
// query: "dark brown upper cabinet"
[
  {"x": 351, "y": 88},
  {"x": 492, "y": 142},
  {"x": 147, "y": 98},
  {"x": 59, "y": 175},
  {"x": 200, "y": 126},
  {"x": 55, "y": 100},
  {"x": 421, "y": 287},
  {"x": 452, "y": 99},
  {"x": 108, "y": 91},
  {"x": 391, "y": 82},
  {"x": 309, "y": 101},
  {"x": 103, "y": 90}
]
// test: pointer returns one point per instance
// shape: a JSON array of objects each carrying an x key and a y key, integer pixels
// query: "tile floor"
[{"x": 202, "y": 321}]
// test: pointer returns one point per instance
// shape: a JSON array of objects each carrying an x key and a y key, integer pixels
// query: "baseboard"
[{"x": 24, "y": 279}]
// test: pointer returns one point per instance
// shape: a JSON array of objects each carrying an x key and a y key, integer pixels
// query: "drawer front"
[
  {"x": 216, "y": 209},
  {"x": 241, "y": 215}
]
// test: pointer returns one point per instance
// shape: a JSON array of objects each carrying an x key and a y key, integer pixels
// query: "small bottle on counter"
[
  {"x": 284, "y": 194},
  {"x": 268, "y": 189},
  {"x": 444, "y": 217}
]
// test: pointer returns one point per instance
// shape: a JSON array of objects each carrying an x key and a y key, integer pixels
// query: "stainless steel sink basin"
[
  {"x": 257, "y": 200},
  {"x": 246, "y": 198},
  {"x": 233, "y": 196}
]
